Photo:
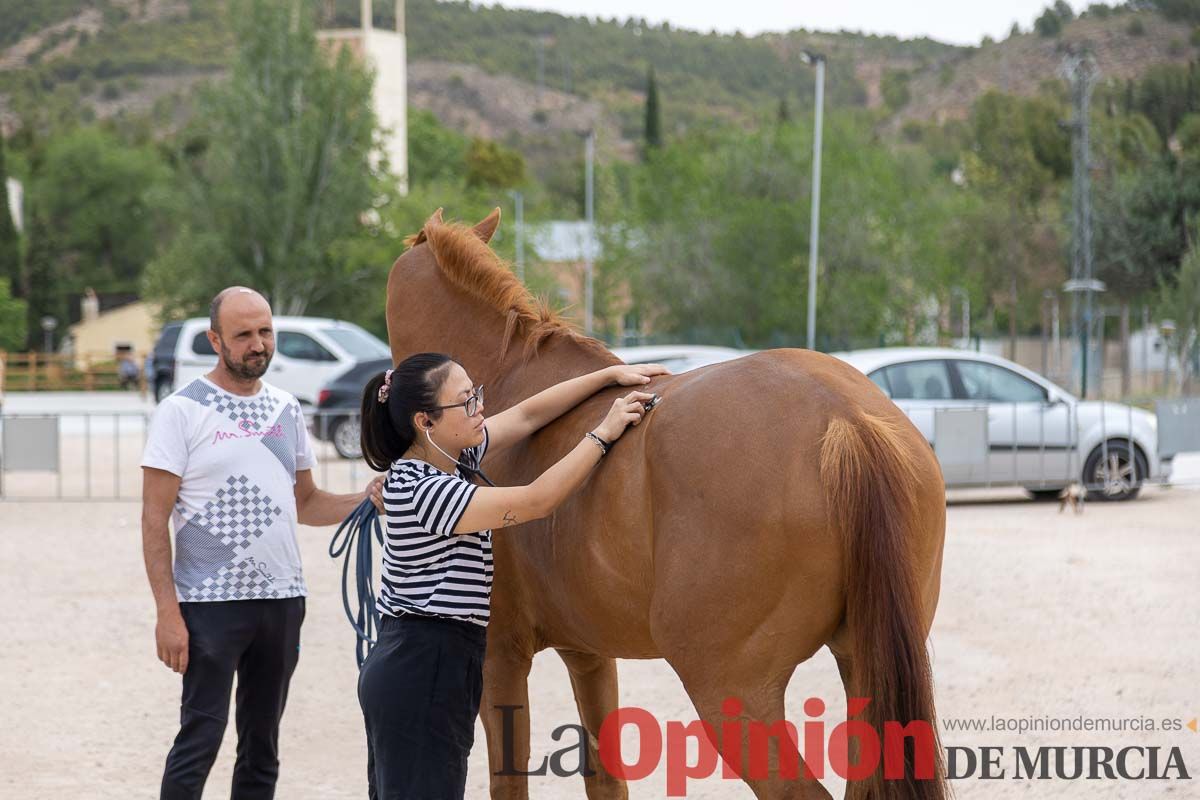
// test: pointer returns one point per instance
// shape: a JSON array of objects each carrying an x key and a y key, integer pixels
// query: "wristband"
[{"x": 603, "y": 445}]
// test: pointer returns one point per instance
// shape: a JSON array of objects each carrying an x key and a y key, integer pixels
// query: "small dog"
[{"x": 1072, "y": 495}]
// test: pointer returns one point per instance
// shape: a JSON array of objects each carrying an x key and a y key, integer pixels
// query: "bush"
[
  {"x": 1048, "y": 25},
  {"x": 493, "y": 165},
  {"x": 1136, "y": 27},
  {"x": 894, "y": 88}
]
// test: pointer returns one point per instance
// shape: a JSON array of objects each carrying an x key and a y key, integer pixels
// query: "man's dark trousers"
[{"x": 259, "y": 641}]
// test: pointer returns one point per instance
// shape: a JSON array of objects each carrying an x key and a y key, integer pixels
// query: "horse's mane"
[{"x": 471, "y": 265}]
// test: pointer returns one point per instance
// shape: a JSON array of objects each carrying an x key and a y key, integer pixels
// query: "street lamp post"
[
  {"x": 49, "y": 324},
  {"x": 966, "y": 314},
  {"x": 590, "y": 214},
  {"x": 818, "y": 61}
]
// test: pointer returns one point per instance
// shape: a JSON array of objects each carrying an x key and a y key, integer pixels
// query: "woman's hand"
[
  {"x": 635, "y": 374},
  {"x": 625, "y": 411}
]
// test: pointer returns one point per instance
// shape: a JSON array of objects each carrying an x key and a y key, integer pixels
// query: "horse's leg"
[
  {"x": 594, "y": 681},
  {"x": 760, "y": 696},
  {"x": 505, "y": 713}
]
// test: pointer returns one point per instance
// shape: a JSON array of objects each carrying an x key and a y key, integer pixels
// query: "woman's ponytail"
[{"x": 387, "y": 429}]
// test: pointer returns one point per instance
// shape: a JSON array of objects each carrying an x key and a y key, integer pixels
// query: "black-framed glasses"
[{"x": 470, "y": 405}]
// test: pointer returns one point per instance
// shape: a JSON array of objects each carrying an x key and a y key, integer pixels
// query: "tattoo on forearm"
[{"x": 509, "y": 519}]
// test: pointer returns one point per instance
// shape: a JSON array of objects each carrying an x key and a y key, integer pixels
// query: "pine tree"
[
  {"x": 653, "y": 114},
  {"x": 45, "y": 296}
]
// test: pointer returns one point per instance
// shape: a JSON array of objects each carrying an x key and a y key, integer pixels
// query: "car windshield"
[{"x": 357, "y": 342}]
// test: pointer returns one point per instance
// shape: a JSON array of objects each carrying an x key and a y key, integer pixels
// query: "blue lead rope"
[{"x": 361, "y": 524}]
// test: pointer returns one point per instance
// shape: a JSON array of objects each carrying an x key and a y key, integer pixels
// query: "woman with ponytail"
[{"x": 423, "y": 424}]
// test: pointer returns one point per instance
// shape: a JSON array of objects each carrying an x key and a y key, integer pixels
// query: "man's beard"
[{"x": 248, "y": 369}]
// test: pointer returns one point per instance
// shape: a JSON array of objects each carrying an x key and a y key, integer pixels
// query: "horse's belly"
[{"x": 590, "y": 579}]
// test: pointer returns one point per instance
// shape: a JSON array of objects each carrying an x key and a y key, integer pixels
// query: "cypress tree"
[{"x": 653, "y": 114}]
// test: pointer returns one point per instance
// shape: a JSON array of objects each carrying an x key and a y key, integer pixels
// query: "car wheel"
[
  {"x": 162, "y": 390},
  {"x": 346, "y": 437},
  {"x": 1109, "y": 472}
]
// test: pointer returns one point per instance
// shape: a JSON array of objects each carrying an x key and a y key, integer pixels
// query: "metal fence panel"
[
  {"x": 1178, "y": 426},
  {"x": 960, "y": 439},
  {"x": 30, "y": 443}
]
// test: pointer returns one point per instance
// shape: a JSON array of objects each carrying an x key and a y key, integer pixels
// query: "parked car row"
[
  {"x": 1038, "y": 435},
  {"x": 324, "y": 363},
  {"x": 309, "y": 352}
]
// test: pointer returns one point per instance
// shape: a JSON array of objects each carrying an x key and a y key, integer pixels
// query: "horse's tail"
[{"x": 870, "y": 480}]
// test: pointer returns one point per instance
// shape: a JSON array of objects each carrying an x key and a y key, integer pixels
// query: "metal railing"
[
  {"x": 1048, "y": 446},
  {"x": 94, "y": 456}
]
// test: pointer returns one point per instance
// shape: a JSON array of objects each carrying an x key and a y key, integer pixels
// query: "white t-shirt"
[{"x": 235, "y": 517}]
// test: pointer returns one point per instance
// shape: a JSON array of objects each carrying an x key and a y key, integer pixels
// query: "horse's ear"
[
  {"x": 486, "y": 229},
  {"x": 434, "y": 219}
]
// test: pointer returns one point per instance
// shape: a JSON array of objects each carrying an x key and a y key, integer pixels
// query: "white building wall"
[{"x": 387, "y": 54}]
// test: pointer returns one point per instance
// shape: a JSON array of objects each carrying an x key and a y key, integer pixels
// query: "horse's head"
[{"x": 449, "y": 292}]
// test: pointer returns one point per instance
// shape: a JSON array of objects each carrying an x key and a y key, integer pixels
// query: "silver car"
[{"x": 1038, "y": 435}]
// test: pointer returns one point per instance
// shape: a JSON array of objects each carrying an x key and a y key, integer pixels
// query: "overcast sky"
[{"x": 954, "y": 21}]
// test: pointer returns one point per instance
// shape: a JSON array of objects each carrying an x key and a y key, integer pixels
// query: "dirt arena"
[{"x": 1041, "y": 615}]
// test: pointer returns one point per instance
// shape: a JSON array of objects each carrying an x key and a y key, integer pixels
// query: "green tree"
[
  {"x": 282, "y": 171},
  {"x": 712, "y": 248},
  {"x": 490, "y": 164},
  {"x": 1179, "y": 300},
  {"x": 1140, "y": 227},
  {"x": 1165, "y": 95},
  {"x": 1185, "y": 10},
  {"x": 13, "y": 320},
  {"x": 45, "y": 295},
  {"x": 653, "y": 126},
  {"x": 1048, "y": 24},
  {"x": 894, "y": 88},
  {"x": 435, "y": 152},
  {"x": 98, "y": 194},
  {"x": 783, "y": 114}
]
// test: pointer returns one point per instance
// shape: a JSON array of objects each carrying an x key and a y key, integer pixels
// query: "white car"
[
  {"x": 309, "y": 352},
  {"x": 678, "y": 357},
  {"x": 1038, "y": 435}
]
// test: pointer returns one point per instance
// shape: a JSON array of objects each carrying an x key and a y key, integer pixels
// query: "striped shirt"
[{"x": 427, "y": 569}]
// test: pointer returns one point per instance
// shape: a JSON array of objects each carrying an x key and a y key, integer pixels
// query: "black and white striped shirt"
[{"x": 427, "y": 569}]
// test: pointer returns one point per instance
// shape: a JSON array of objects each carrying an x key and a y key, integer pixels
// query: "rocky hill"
[
  {"x": 519, "y": 75},
  {"x": 1124, "y": 45}
]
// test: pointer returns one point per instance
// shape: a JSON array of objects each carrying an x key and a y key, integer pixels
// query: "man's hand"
[
  {"x": 171, "y": 636},
  {"x": 375, "y": 491},
  {"x": 635, "y": 374}
]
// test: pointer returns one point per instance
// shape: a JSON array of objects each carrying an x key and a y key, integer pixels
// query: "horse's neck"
[{"x": 557, "y": 360}]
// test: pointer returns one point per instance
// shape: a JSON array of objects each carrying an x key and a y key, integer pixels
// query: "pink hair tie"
[{"x": 386, "y": 387}]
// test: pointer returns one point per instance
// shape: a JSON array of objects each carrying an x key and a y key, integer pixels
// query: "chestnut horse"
[{"x": 769, "y": 506}]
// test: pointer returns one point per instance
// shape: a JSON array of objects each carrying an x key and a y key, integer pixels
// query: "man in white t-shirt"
[{"x": 229, "y": 462}]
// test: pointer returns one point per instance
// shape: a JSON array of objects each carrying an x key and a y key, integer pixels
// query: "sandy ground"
[{"x": 1041, "y": 615}]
